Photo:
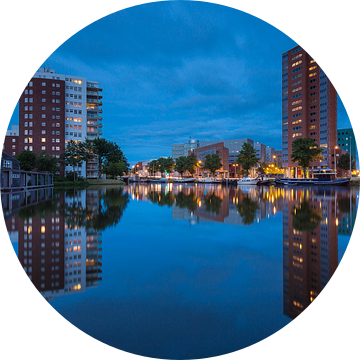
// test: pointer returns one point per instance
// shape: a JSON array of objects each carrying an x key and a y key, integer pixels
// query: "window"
[
  {"x": 43, "y": 148},
  {"x": 296, "y": 63},
  {"x": 297, "y": 108},
  {"x": 30, "y": 124},
  {"x": 43, "y": 91},
  {"x": 312, "y": 74},
  {"x": 43, "y": 100},
  {"x": 43, "y": 124},
  {"x": 297, "y": 69},
  {"x": 43, "y": 139},
  {"x": 43, "y": 84},
  {"x": 296, "y": 50},
  {"x": 43, "y": 116},
  {"x": 25, "y": 123},
  {"x": 296, "y": 89},
  {"x": 312, "y": 94},
  {"x": 312, "y": 68}
]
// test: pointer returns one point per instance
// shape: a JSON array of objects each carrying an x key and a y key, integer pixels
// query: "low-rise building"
[{"x": 217, "y": 148}]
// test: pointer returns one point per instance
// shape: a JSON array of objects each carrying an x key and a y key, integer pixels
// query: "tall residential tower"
[
  {"x": 54, "y": 109},
  {"x": 309, "y": 109}
]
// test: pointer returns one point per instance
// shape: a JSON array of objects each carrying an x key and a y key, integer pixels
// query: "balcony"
[
  {"x": 93, "y": 86},
  {"x": 94, "y": 101},
  {"x": 94, "y": 93},
  {"x": 95, "y": 116}
]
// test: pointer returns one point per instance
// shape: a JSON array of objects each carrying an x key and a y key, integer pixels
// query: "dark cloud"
[{"x": 171, "y": 70}]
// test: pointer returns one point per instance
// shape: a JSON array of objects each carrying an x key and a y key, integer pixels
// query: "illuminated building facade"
[{"x": 309, "y": 109}]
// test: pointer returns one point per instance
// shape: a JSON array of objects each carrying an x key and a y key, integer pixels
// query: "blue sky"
[{"x": 171, "y": 70}]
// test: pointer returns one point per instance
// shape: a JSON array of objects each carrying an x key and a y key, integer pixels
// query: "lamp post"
[
  {"x": 350, "y": 155},
  {"x": 235, "y": 169},
  {"x": 197, "y": 168},
  {"x": 336, "y": 147}
]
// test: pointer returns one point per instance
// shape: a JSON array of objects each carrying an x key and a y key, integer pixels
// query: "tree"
[
  {"x": 344, "y": 162},
  {"x": 102, "y": 150},
  {"x": 88, "y": 151},
  {"x": 73, "y": 156},
  {"x": 153, "y": 166},
  {"x": 181, "y": 165},
  {"x": 27, "y": 160},
  {"x": 116, "y": 155},
  {"x": 305, "y": 151},
  {"x": 213, "y": 203},
  {"x": 46, "y": 162},
  {"x": 213, "y": 163},
  {"x": 169, "y": 164},
  {"x": 192, "y": 163},
  {"x": 247, "y": 158},
  {"x": 115, "y": 169}
]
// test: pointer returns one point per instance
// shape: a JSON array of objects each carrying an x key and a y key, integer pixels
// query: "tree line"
[{"x": 110, "y": 158}]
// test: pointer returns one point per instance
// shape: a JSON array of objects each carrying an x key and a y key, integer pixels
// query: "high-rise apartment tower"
[
  {"x": 309, "y": 109},
  {"x": 56, "y": 108}
]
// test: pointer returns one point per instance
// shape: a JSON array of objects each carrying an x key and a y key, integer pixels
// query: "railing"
[{"x": 20, "y": 179}]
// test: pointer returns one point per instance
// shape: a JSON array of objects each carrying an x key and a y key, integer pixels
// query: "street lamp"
[
  {"x": 336, "y": 147},
  {"x": 235, "y": 169},
  {"x": 197, "y": 169}
]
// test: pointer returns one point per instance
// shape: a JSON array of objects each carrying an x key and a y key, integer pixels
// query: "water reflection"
[
  {"x": 59, "y": 240},
  {"x": 187, "y": 260}
]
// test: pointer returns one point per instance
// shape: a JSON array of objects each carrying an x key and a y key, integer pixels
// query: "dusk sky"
[{"x": 172, "y": 70}]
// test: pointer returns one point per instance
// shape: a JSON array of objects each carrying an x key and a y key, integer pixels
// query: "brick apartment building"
[
  {"x": 309, "y": 109},
  {"x": 54, "y": 109}
]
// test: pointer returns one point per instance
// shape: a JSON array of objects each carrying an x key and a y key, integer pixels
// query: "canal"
[{"x": 181, "y": 271}]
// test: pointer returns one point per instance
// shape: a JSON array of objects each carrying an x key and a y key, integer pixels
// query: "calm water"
[{"x": 181, "y": 271}]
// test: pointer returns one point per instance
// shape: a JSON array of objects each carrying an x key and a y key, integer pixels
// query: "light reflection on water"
[{"x": 181, "y": 271}]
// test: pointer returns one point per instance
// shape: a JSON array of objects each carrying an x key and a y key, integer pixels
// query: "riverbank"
[{"x": 83, "y": 184}]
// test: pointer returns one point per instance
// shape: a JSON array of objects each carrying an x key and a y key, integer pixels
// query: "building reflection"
[
  {"x": 310, "y": 243},
  {"x": 59, "y": 258},
  {"x": 59, "y": 237}
]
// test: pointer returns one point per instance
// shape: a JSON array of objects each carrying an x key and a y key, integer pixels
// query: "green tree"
[
  {"x": 305, "y": 151},
  {"x": 48, "y": 163},
  {"x": 213, "y": 163},
  {"x": 169, "y": 164},
  {"x": 115, "y": 169},
  {"x": 153, "y": 166},
  {"x": 27, "y": 160},
  {"x": 88, "y": 151},
  {"x": 192, "y": 163},
  {"x": 247, "y": 158},
  {"x": 116, "y": 155},
  {"x": 181, "y": 165},
  {"x": 344, "y": 162},
  {"x": 213, "y": 203},
  {"x": 184, "y": 201},
  {"x": 101, "y": 148},
  {"x": 74, "y": 155}
]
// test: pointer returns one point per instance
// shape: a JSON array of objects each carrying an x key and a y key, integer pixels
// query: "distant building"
[
  {"x": 278, "y": 158},
  {"x": 178, "y": 150},
  {"x": 270, "y": 155},
  {"x": 234, "y": 146},
  {"x": 260, "y": 151},
  {"x": 217, "y": 148},
  {"x": 346, "y": 141},
  {"x": 11, "y": 142}
]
